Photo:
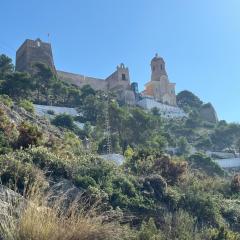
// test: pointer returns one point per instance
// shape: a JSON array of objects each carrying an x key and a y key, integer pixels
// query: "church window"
[
  {"x": 153, "y": 68},
  {"x": 161, "y": 67},
  {"x": 123, "y": 77}
]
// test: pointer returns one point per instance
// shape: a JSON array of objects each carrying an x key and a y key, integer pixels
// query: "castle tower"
[
  {"x": 32, "y": 51},
  {"x": 159, "y": 87}
]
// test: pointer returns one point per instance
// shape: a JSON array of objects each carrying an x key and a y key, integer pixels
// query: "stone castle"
[{"x": 158, "y": 88}]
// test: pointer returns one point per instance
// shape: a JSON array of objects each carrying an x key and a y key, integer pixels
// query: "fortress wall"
[{"x": 81, "y": 80}]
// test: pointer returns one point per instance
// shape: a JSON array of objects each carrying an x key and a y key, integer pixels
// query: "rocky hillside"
[{"x": 55, "y": 185}]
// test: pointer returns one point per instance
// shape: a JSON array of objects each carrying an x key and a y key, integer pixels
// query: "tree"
[
  {"x": 238, "y": 146},
  {"x": 206, "y": 164},
  {"x": 86, "y": 91},
  {"x": 6, "y": 66},
  {"x": 18, "y": 85},
  {"x": 44, "y": 79},
  {"x": 183, "y": 146},
  {"x": 187, "y": 100}
]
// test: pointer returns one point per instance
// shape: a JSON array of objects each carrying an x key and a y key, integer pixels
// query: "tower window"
[
  {"x": 161, "y": 67},
  {"x": 123, "y": 77}
]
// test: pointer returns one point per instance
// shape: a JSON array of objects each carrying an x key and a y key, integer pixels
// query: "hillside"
[{"x": 55, "y": 186}]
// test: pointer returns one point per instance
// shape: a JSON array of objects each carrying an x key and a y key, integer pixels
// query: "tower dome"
[{"x": 157, "y": 58}]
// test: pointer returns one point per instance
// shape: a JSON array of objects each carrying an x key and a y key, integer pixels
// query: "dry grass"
[{"x": 39, "y": 222}]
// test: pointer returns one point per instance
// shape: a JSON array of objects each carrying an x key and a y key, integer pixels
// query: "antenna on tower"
[
  {"x": 48, "y": 37},
  {"x": 107, "y": 127}
]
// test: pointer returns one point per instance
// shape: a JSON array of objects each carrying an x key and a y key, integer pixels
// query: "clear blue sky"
[{"x": 199, "y": 40}]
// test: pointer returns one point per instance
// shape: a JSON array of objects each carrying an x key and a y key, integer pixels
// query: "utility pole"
[{"x": 107, "y": 127}]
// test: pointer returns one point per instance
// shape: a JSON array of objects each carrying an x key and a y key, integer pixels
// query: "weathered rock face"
[
  {"x": 64, "y": 194},
  {"x": 17, "y": 115},
  {"x": 11, "y": 206},
  {"x": 208, "y": 113}
]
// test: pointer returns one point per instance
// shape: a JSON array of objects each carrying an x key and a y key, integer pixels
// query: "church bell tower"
[{"x": 158, "y": 68}]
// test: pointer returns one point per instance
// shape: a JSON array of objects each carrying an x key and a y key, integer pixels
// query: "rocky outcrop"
[
  {"x": 208, "y": 113},
  {"x": 11, "y": 206},
  {"x": 17, "y": 115}
]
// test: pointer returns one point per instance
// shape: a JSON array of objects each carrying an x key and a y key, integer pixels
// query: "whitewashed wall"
[
  {"x": 166, "y": 111},
  {"x": 229, "y": 163}
]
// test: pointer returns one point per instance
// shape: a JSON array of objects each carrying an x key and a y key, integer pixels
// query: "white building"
[{"x": 165, "y": 110}]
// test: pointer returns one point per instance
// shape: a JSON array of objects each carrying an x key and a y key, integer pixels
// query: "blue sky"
[{"x": 199, "y": 40}]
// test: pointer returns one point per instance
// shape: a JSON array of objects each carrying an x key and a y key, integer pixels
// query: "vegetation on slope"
[{"x": 150, "y": 196}]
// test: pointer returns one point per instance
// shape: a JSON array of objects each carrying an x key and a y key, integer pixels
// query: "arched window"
[{"x": 123, "y": 77}]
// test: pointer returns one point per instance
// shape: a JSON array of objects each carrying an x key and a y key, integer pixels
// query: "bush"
[
  {"x": 50, "y": 112},
  {"x": 27, "y": 105},
  {"x": 7, "y": 127},
  {"x": 235, "y": 184},
  {"x": 4, "y": 144},
  {"x": 149, "y": 231},
  {"x": 204, "y": 206},
  {"x": 173, "y": 170},
  {"x": 49, "y": 162},
  {"x": 6, "y": 100},
  {"x": 29, "y": 135},
  {"x": 206, "y": 164},
  {"x": 84, "y": 182},
  {"x": 18, "y": 172},
  {"x": 64, "y": 120}
]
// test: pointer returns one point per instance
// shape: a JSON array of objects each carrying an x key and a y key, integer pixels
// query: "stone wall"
[{"x": 81, "y": 80}]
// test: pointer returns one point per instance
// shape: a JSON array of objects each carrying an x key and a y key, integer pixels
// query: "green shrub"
[
  {"x": 4, "y": 144},
  {"x": 64, "y": 120},
  {"x": 50, "y": 112},
  {"x": 206, "y": 164},
  {"x": 49, "y": 162},
  {"x": 222, "y": 234},
  {"x": 6, "y": 100},
  {"x": 204, "y": 206},
  {"x": 84, "y": 182},
  {"x": 149, "y": 231},
  {"x": 27, "y": 105},
  {"x": 18, "y": 172}
]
